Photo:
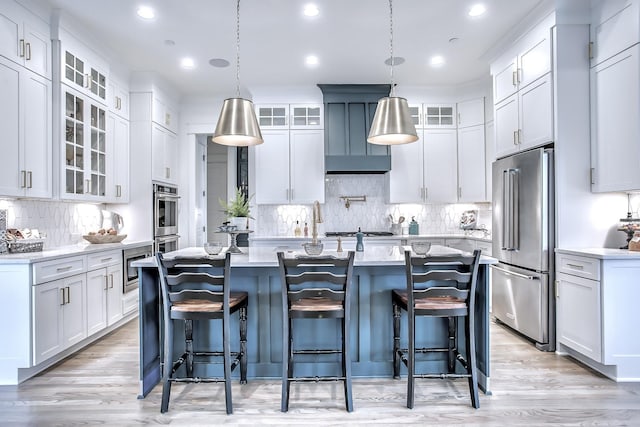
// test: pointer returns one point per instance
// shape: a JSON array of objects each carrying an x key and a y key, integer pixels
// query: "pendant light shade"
[
  {"x": 392, "y": 123},
  {"x": 237, "y": 125}
]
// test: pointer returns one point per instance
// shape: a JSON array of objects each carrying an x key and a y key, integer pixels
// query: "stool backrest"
[
  {"x": 316, "y": 277},
  {"x": 442, "y": 276},
  {"x": 194, "y": 278}
]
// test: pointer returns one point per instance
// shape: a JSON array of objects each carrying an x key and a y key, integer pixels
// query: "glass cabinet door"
[
  {"x": 309, "y": 117},
  {"x": 98, "y": 152},
  {"x": 440, "y": 116},
  {"x": 74, "y": 144},
  {"x": 273, "y": 116}
]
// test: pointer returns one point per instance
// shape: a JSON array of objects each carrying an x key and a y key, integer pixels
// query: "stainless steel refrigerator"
[{"x": 523, "y": 295}]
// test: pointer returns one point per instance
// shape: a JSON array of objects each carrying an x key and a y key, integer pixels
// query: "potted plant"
[{"x": 237, "y": 210}]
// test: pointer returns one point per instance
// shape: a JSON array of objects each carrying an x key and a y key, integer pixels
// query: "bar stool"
[
  {"x": 197, "y": 288},
  {"x": 315, "y": 288},
  {"x": 438, "y": 286}
]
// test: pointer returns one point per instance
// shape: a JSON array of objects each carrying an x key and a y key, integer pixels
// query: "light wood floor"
[{"x": 99, "y": 385}]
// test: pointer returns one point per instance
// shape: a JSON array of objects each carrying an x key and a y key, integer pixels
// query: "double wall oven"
[{"x": 165, "y": 218}]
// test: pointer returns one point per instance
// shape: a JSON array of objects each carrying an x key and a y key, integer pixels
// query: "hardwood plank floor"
[{"x": 98, "y": 386}]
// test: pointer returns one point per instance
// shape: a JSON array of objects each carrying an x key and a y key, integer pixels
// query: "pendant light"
[
  {"x": 237, "y": 125},
  {"x": 392, "y": 123}
]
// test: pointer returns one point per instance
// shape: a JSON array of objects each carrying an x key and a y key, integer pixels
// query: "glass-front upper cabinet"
[
  {"x": 439, "y": 116},
  {"x": 85, "y": 148},
  {"x": 83, "y": 73},
  {"x": 273, "y": 116},
  {"x": 415, "y": 110},
  {"x": 307, "y": 116}
]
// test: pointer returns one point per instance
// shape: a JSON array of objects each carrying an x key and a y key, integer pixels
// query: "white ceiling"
[{"x": 350, "y": 37}]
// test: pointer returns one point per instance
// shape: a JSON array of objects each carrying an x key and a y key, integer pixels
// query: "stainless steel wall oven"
[
  {"x": 165, "y": 218},
  {"x": 130, "y": 279}
]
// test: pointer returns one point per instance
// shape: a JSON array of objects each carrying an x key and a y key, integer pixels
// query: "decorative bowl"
[
  {"x": 313, "y": 249},
  {"x": 104, "y": 238},
  {"x": 420, "y": 247},
  {"x": 213, "y": 248}
]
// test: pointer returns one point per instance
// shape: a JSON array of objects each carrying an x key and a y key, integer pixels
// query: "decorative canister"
[{"x": 413, "y": 227}]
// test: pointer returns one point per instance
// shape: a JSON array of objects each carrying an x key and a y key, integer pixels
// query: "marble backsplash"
[
  {"x": 371, "y": 215},
  {"x": 63, "y": 223}
]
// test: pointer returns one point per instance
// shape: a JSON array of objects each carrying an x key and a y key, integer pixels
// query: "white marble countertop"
[
  {"x": 600, "y": 253},
  {"x": 65, "y": 251},
  {"x": 380, "y": 255},
  {"x": 474, "y": 236}
]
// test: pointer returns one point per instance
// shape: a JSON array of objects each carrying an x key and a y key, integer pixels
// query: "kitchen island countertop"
[{"x": 600, "y": 253}]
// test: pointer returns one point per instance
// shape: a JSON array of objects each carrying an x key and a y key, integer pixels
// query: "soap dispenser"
[
  {"x": 359, "y": 241},
  {"x": 413, "y": 227}
]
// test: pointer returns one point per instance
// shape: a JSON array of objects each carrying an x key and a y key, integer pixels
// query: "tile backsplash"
[
  {"x": 63, "y": 223},
  {"x": 370, "y": 215}
]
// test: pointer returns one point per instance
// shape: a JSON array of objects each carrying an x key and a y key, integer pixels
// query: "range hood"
[{"x": 348, "y": 113}]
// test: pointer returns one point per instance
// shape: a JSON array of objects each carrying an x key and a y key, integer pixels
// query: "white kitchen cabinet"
[
  {"x": 25, "y": 125},
  {"x": 59, "y": 311},
  {"x": 532, "y": 60},
  {"x": 525, "y": 119},
  {"x": 118, "y": 98},
  {"x": 164, "y": 154},
  {"x": 615, "y": 27},
  {"x": 85, "y": 156},
  {"x": 163, "y": 112},
  {"x": 25, "y": 39},
  {"x": 424, "y": 171},
  {"x": 82, "y": 69},
  {"x": 440, "y": 166},
  {"x": 462, "y": 244},
  {"x": 289, "y": 167},
  {"x": 489, "y": 157},
  {"x": 104, "y": 290},
  {"x": 615, "y": 128},
  {"x": 470, "y": 113},
  {"x": 578, "y": 315},
  {"x": 485, "y": 247},
  {"x": 306, "y": 116},
  {"x": 597, "y": 315},
  {"x": 471, "y": 164},
  {"x": 273, "y": 116},
  {"x": 118, "y": 144}
]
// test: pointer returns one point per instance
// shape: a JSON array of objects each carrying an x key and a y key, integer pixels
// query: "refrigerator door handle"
[
  {"x": 512, "y": 273},
  {"x": 515, "y": 214},
  {"x": 506, "y": 216}
]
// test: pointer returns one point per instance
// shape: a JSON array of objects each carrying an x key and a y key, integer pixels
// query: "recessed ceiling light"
[
  {"x": 218, "y": 62},
  {"x": 477, "y": 10},
  {"x": 187, "y": 63},
  {"x": 146, "y": 12},
  {"x": 311, "y": 60},
  {"x": 437, "y": 61},
  {"x": 397, "y": 60},
  {"x": 311, "y": 10}
]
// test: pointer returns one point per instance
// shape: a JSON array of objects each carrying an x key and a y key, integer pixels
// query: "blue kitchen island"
[{"x": 377, "y": 271}]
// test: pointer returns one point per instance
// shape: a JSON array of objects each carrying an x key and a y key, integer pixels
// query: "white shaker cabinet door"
[
  {"x": 37, "y": 136},
  {"x": 47, "y": 323},
  {"x": 536, "y": 113},
  {"x": 471, "y": 164},
  {"x": 96, "y": 301},
  {"x": 272, "y": 168},
  {"x": 306, "y": 150},
  {"x": 440, "y": 166},
  {"x": 11, "y": 128},
  {"x": 505, "y": 120},
  {"x": 615, "y": 128},
  {"x": 405, "y": 179}
]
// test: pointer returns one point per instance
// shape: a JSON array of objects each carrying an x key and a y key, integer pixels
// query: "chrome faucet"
[{"x": 317, "y": 218}]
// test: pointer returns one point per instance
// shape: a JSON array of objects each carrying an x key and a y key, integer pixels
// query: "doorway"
[{"x": 217, "y": 173}]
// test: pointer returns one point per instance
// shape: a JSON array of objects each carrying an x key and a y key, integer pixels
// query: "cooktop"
[{"x": 353, "y": 233}]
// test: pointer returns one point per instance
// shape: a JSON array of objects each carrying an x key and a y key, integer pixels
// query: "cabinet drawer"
[
  {"x": 58, "y": 269},
  {"x": 485, "y": 247},
  {"x": 103, "y": 259},
  {"x": 586, "y": 267}
]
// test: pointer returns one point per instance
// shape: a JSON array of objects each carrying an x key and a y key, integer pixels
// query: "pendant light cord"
[
  {"x": 391, "y": 93},
  {"x": 238, "y": 49}
]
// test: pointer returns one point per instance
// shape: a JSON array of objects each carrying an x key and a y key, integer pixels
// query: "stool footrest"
[
  {"x": 442, "y": 376},
  {"x": 317, "y": 351},
  {"x": 316, "y": 379},
  {"x": 197, "y": 380}
]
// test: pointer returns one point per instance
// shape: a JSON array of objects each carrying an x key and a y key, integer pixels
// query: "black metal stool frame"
[
  {"x": 189, "y": 280},
  {"x": 336, "y": 288}
]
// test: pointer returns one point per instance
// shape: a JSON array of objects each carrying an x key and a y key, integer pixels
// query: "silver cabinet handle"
[
  {"x": 168, "y": 173},
  {"x": 28, "y": 51},
  {"x": 68, "y": 295},
  {"x": 106, "y": 282},
  {"x": 62, "y": 296},
  {"x": 575, "y": 266},
  {"x": 22, "y": 49},
  {"x": 111, "y": 279},
  {"x": 514, "y": 78},
  {"x": 118, "y": 190},
  {"x": 86, "y": 80},
  {"x": 66, "y": 268},
  {"x": 88, "y": 189},
  {"x": 30, "y": 176},
  {"x": 24, "y": 178},
  {"x": 515, "y": 137},
  {"x": 512, "y": 273}
]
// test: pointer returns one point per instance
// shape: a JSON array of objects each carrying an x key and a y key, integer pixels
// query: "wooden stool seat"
[
  {"x": 316, "y": 304},
  {"x": 200, "y": 306},
  {"x": 433, "y": 303}
]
